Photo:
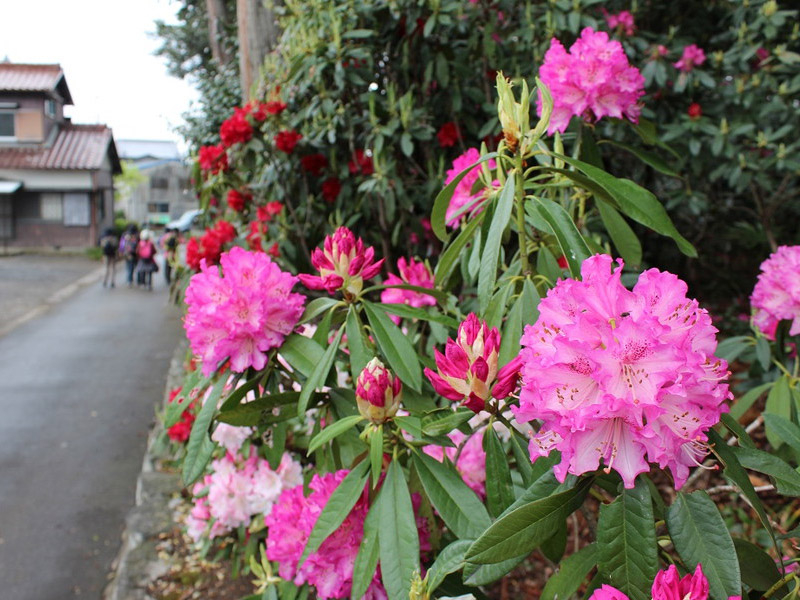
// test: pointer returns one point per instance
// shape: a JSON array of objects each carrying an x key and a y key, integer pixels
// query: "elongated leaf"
[
  {"x": 439, "y": 295},
  {"x": 626, "y": 536},
  {"x": 519, "y": 447},
  {"x": 302, "y": 353},
  {"x": 649, "y": 158},
  {"x": 736, "y": 428},
  {"x": 635, "y": 201},
  {"x": 748, "y": 399},
  {"x": 571, "y": 574},
  {"x": 333, "y": 430},
  {"x": 787, "y": 480},
  {"x": 376, "y": 454},
  {"x": 442, "y": 201},
  {"x": 779, "y": 402},
  {"x": 359, "y": 357},
  {"x": 569, "y": 238},
  {"x": 758, "y": 568},
  {"x": 625, "y": 240},
  {"x": 235, "y": 397},
  {"x": 449, "y": 560},
  {"x": 763, "y": 353},
  {"x": 199, "y": 447},
  {"x": 409, "y": 312},
  {"x": 319, "y": 374},
  {"x": 336, "y": 509},
  {"x": 729, "y": 349},
  {"x": 475, "y": 574},
  {"x": 459, "y": 507},
  {"x": 368, "y": 553},
  {"x": 785, "y": 429},
  {"x": 499, "y": 491},
  {"x": 174, "y": 410},
  {"x": 316, "y": 307},
  {"x": 512, "y": 332},
  {"x": 452, "y": 254},
  {"x": 487, "y": 275},
  {"x": 397, "y": 536},
  {"x": 520, "y": 531},
  {"x": 395, "y": 346},
  {"x": 260, "y": 411},
  {"x": 444, "y": 421},
  {"x": 701, "y": 536},
  {"x": 497, "y": 306}
]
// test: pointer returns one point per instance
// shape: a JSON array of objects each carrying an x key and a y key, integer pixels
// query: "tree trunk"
[
  {"x": 258, "y": 35},
  {"x": 215, "y": 9}
]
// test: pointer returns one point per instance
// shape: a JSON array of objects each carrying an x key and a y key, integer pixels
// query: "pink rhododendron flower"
[
  {"x": 471, "y": 463},
  {"x": 464, "y": 203},
  {"x": 667, "y": 585},
  {"x": 467, "y": 371},
  {"x": 378, "y": 392},
  {"x": 344, "y": 263},
  {"x": 231, "y": 437},
  {"x": 621, "y": 377},
  {"x": 622, "y": 20},
  {"x": 776, "y": 296},
  {"x": 242, "y": 313},
  {"x": 411, "y": 273},
  {"x": 593, "y": 80},
  {"x": 692, "y": 57}
]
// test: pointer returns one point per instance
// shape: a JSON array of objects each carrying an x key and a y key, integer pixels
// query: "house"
[
  {"x": 56, "y": 186},
  {"x": 164, "y": 192}
]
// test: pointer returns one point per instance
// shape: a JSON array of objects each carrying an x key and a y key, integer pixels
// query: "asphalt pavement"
[{"x": 78, "y": 386}]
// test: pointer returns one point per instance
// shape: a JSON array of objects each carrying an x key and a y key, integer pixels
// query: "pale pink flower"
[
  {"x": 466, "y": 202},
  {"x": 776, "y": 296},
  {"x": 621, "y": 377},
  {"x": 471, "y": 463},
  {"x": 692, "y": 57},
  {"x": 468, "y": 370},
  {"x": 378, "y": 392},
  {"x": 242, "y": 313},
  {"x": 344, "y": 264},
  {"x": 622, "y": 20},
  {"x": 593, "y": 80},
  {"x": 411, "y": 273},
  {"x": 231, "y": 437}
]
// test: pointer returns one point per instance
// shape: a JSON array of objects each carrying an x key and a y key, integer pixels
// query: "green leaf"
[
  {"x": 759, "y": 570},
  {"x": 521, "y": 530},
  {"x": 442, "y": 422},
  {"x": 460, "y": 509},
  {"x": 475, "y": 574},
  {"x": 319, "y": 374},
  {"x": 729, "y": 349},
  {"x": 358, "y": 34},
  {"x": 701, "y": 536},
  {"x": 499, "y": 490},
  {"x": 779, "y": 402},
  {"x": 376, "y": 454},
  {"x": 490, "y": 255},
  {"x": 336, "y": 509},
  {"x": 200, "y": 447},
  {"x": 235, "y": 397},
  {"x": 316, "y": 307},
  {"x": 359, "y": 357},
  {"x": 406, "y": 145},
  {"x": 625, "y": 240},
  {"x": 368, "y": 553},
  {"x": 787, "y": 480},
  {"x": 302, "y": 353},
  {"x": 635, "y": 201},
  {"x": 449, "y": 560},
  {"x": 571, "y": 574},
  {"x": 497, "y": 306},
  {"x": 785, "y": 429},
  {"x": 569, "y": 238},
  {"x": 452, "y": 254},
  {"x": 763, "y": 353},
  {"x": 259, "y": 411},
  {"x": 174, "y": 410},
  {"x": 626, "y": 536},
  {"x": 741, "y": 405},
  {"x": 333, "y": 430},
  {"x": 397, "y": 536},
  {"x": 409, "y": 312},
  {"x": 512, "y": 332},
  {"x": 395, "y": 346},
  {"x": 442, "y": 201},
  {"x": 649, "y": 158},
  {"x": 441, "y": 297},
  {"x": 519, "y": 447}
]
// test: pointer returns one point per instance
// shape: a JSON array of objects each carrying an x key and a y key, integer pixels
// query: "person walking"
[
  {"x": 109, "y": 244},
  {"x": 170, "y": 244},
  {"x": 127, "y": 248},
  {"x": 146, "y": 252}
]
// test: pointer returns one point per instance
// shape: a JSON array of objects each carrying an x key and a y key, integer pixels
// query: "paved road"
[{"x": 78, "y": 384}]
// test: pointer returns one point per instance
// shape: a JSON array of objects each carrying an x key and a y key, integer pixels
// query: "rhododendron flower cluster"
[
  {"x": 667, "y": 585},
  {"x": 213, "y": 158},
  {"x": 361, "y": 163},
  {"x": 411, "y": 273},
  {"x": 378, "y": 392},
  {"x": 209, "y": 246},
  {"x": 464, "y": 202},
  {"x": 330, "y": 189},
  {"x": 236, "y": 490},
  {"x": 236, "y": 129},
  {"x": 447, "y": 135},
  {"x": 622, "y": 20},
  {"x": 692, "y": 57},
  {"x": 467, "y": 371},
  {"x": 238, "y": 200},
  {"x": 242, "y": 313},
  {"x": 285, "y": 141},
  {"x": 593, "y": 80},
  {"x": 314, "y": 163},
  {"x": 179, "y": 432},
  {"x": 623, "y": 377},
  {"x": 776, "y": 296},
  {"x": 343, "y": 263},
  {"x": 471, "y": 462}
]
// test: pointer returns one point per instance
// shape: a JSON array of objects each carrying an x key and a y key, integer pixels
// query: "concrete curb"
[{"x": 138, "y": 561}]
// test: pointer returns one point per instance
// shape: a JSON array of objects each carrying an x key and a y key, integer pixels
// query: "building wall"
[
  {"x": 31, "y": 123},
  {"x": 166, "y": 193}
]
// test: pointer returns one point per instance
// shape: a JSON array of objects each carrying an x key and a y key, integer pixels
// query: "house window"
[
  {"x": 51, "y": 209},
  {"x": 7, "y": 124},
  {"x": 159, "y": 183},
  {"x": 50, "y": 108},
  {"x": 77, "y": 209},
  {"x": 158, "y": 207}
]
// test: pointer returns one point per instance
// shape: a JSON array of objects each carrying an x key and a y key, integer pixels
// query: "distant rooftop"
[
  {"x": 16, "y": 77},
  {"x": 154, "y": 149}
]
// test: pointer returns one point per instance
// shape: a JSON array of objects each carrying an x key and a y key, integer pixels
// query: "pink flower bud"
[
  {"x": 378, "y": 392},
  {"x": 343, "y": 264}
]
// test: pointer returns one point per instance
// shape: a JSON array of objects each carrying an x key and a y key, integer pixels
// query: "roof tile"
[{"x": 77, "y": 147}]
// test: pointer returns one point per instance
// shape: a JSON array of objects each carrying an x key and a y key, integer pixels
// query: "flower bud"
[{"x": 378, "y": 392}]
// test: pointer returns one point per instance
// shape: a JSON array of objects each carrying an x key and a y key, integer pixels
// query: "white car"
[{"x": 186, "y": 221}]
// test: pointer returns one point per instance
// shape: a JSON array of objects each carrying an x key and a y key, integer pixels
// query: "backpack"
[
  {"x": 146, "y": 250},
  {"x": 109, "y": 245}
]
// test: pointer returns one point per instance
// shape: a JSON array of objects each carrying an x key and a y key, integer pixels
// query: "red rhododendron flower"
[
  {"x": 562, "y": 262},
  {"x": 266, "y": 212},
  {"x": 274, "y": 107},
  {"x": 448, "y": 135},
  {"x": 314, "y": 163},
  {"x": 694, "y": 111},
  {"x": 236, "y": 129},
  {"x": 209, "y": 246},
  {"x": 361, "y": 163},
  {"x": 213, "y": 158},
  {"x": 285, "y": 141},
  {"x": 330, "y": 189},
  {"x": 238, "y": 200},
  {"x": 274, "y": 250},
  {"x": 253, "y": 237}
]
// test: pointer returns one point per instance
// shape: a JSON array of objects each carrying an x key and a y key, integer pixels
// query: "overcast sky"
[{"x": 106, "y": 53}]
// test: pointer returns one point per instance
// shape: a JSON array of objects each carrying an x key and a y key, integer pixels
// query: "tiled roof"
[
  {"x": 76, "y": 147},
  {"x": 33, "y": 78}
]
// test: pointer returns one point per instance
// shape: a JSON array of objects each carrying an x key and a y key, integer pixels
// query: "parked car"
[{"x": 188, "y": 220}]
